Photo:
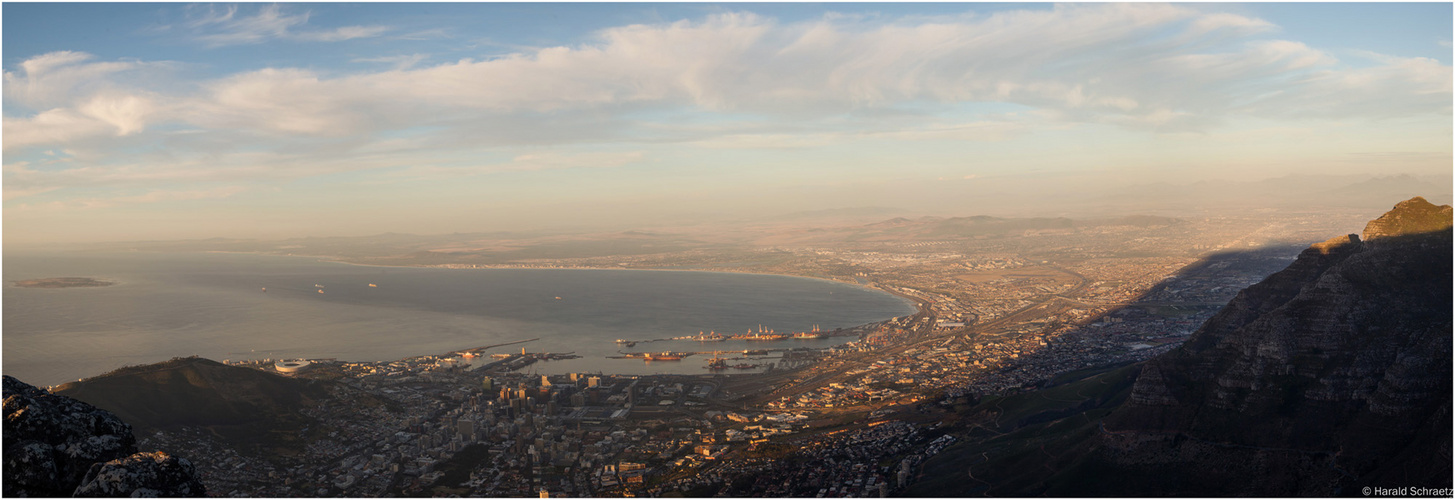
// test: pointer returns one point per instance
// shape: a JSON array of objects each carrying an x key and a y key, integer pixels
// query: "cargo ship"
[
  {"x": 812, "y": 334},
  {"x": 761, "y": 336},
  {"x": 662, "y": 356}
]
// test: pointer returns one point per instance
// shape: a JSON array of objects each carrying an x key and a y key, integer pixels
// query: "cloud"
[
  {"x": 755, "y": 138},
  {"x": 400, "y": 62},
  {"x": 52, "y": 78},
  {"x": 1136, "y": 65},
  {"x": 1396, "y": 87},
  {"x": 544, "y": 160},
  {"x": 100, "y": 115},
  {"x": 152, "y": 196},
  {"x": 341, "y": 34},
  {"x": 217, "y": 28},
  {"x": 1105, "y": 62},
  {"x": 1215, "y": 21},
  {"x": 731, "y": 81},
  {"x": 158, "y": 196},
  {"x": 291, "y": 101},
  {"x": 553, "y": 160}
]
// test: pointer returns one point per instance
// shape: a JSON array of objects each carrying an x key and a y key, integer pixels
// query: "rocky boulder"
[
  {"x": 1412, "y": 216},
  {"x": 53, "y": 444},
  {"x": 52, "y": 441},
  {"x": 148, "y": 475}
]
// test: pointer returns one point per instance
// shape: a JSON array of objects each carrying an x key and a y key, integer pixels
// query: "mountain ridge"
[{"x": 1326, "y": 377}]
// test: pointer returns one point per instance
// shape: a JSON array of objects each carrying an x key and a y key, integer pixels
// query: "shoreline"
[
  {"x": 337, "y": 260},
  {"x": 91, "y": 283}
]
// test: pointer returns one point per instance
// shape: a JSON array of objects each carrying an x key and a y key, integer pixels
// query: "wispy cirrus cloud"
[
  {"x": 217, "y": 27},
  {"x": 59, "y": 78},
  {"x": 400, "y": 62}
]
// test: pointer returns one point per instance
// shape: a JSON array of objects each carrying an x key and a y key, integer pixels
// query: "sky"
[{"x": 126, "y": 121}]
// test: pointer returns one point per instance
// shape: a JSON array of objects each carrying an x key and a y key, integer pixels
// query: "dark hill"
[
  {"x": 244, "y": 406},
  {"x": 1329, "y": 376}
]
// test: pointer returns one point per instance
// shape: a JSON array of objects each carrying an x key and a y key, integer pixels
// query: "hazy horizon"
[{"x": 131, "y": 122}]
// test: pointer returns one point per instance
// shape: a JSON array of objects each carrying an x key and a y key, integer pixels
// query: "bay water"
[{"x": 164, "y": 305}]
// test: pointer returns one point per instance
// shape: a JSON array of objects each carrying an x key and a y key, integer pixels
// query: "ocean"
[{"x": 165, "y": 305}]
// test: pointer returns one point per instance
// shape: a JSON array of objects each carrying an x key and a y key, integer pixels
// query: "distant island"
[{"x": 62, "y": 283}]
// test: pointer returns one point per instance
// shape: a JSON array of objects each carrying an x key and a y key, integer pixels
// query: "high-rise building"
[
  {"x": 467, "y": 429},
  {"x": 593, "y": 381},
  {"x": 545, "y": 381}
]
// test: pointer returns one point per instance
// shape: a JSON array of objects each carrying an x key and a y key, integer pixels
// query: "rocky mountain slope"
[
  {"x": 57, "y": 446},
  {"x": 1340, "y": 363},
  {"x": 1329, "y": 376}
]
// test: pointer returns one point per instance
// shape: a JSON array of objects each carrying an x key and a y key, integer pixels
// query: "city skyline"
[{"x": 159, "y": 121}]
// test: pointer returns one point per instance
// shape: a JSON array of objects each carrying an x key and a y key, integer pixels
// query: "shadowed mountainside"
[
  {"x": 1328, "y": 376},
  {"x": 246, "y": 407}
]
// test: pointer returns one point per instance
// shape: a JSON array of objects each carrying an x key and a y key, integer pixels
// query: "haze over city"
[
  {"x": 180, "y": 121},
  {"x": 703, "y": 250}
]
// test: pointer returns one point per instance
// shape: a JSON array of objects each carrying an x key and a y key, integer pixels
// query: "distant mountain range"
[
  {"x": 828, "y": 227},
  {"x": 1329, "y": 376},
  {"x": 1298, "y": 191}
]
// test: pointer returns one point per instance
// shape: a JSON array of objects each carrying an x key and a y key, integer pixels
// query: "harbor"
[{"x": 759, "y": 334}]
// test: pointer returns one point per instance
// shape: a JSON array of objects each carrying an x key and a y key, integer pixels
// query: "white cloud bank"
[{"x": 1138, "y": 66}]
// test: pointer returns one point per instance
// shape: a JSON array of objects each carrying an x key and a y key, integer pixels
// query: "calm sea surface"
[{"x": 213, "y": 305}]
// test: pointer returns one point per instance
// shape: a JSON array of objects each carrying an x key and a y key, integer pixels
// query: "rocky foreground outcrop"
[
  {"x": 57, "y": 446},
  {"x": 142, "y": 475}
]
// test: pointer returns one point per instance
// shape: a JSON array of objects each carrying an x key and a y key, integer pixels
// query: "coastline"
[
  {"x": 339, "y": 260},
  {"x": 105, "y": 283}
]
